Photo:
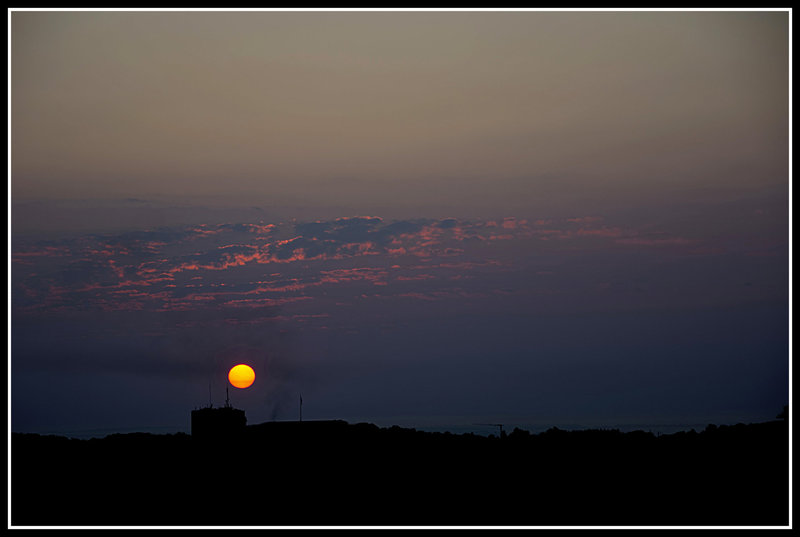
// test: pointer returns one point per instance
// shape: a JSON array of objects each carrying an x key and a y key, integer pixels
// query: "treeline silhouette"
[{"x": 334, "y": 473}]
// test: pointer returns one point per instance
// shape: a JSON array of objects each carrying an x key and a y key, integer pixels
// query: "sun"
[{"x": 241, "y": 376}]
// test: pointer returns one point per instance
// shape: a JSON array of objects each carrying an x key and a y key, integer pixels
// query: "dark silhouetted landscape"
[{"x": 334, "y": 473}]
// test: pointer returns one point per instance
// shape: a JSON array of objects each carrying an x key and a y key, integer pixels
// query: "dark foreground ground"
[{"x": 335, "y": 473}]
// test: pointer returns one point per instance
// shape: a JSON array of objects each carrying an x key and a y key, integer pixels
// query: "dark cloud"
[
  {"x": 314, "y": 229},
  {"x": 395, "y": 229},
  {"x": 346, "y": 230}
]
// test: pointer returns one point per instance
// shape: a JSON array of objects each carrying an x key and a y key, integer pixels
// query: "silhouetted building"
[{"x": 212, "y": 422}]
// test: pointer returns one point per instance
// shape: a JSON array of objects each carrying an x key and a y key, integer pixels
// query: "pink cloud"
[
  {"x": 354, "y": 274},
  {"x": 418, "y": 296},
  {"x": 359, "y": 248},
  {"x": 509, "y": 223},
  {"x": 415, "y": 278},
  {"x": 203, "y": 232},
  {"x": 261, "y": 229},
  {"x": 460, "y": 234},
  {"x": 641, "y": 241},
  {"x": 119, "y": 271},
  {"x": 585, "y": 219},
  {"x": 264, "y": 302},
  {"x": 603, "y": 232},
  {"x": 346, "y": 218}
]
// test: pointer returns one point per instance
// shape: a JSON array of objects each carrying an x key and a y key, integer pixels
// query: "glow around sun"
[{"x": 241, "y": 376}]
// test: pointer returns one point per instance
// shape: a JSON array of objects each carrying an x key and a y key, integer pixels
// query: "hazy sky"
[
  {"x": 477, "y": 109},
  {"x": 533, "y": 217}
]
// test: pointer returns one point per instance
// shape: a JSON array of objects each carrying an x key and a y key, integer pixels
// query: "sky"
[{"x": 426, "y": 218}]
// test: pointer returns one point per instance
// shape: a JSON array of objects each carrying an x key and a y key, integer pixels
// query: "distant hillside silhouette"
[{"x": 335, "y": 473}]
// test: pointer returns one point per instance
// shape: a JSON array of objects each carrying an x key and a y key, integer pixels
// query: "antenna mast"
[{"x": 227, "y": 398}]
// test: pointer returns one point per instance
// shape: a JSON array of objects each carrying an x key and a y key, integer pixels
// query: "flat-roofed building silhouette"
[{"x": 210, "y": 422}]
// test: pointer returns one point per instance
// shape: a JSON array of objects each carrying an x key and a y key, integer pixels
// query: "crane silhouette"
[{"x": 494, "y": 425}]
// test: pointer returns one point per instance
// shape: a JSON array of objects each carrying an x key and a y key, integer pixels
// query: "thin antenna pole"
[{"x": 227, "y": 397}]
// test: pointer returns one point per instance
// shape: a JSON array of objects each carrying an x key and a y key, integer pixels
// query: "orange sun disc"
[{"x": 241, "y": 376}]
